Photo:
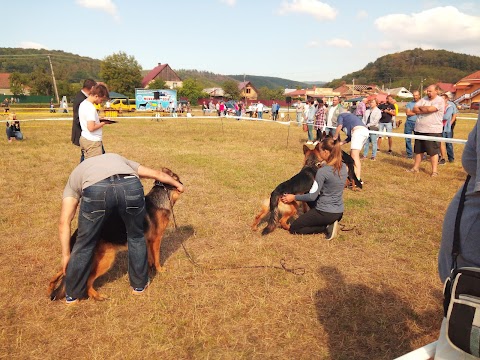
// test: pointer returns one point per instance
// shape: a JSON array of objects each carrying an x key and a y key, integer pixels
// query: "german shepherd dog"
[
  {"x": 159, "y": 205},
  {"x": 298, "y": 184}
]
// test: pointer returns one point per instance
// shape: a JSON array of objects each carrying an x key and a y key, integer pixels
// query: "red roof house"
[{"x": 165, "y": 73}]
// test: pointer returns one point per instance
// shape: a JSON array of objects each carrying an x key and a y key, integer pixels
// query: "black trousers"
[{"x": 314, "y": 222}]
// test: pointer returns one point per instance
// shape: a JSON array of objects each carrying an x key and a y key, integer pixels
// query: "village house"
[
  {"x": 165, "y": 73},
  {"x": 247, "y": 90},
  {"x": 467, "y": 89}
]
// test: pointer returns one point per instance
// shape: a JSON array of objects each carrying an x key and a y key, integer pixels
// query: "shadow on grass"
[
  {"x": 171, "y": 242},
  {"x": 361, "y": 322}
]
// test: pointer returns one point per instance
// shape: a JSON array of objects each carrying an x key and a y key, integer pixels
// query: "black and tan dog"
[
  {"x": 159, "y": 205},
  {"x": 298, "y": 184}
]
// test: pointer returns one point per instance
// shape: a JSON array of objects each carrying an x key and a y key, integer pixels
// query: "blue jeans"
[
  {"x": 409, "y": 127},
  {"x": 260, "y": 114},
  {"x": 449, "y": 146},
  {"x": 116, "y": 193},
  {"x": 311, "y": 137},
  {"x": 14, "y": 134},
  {"x": 299, "y": 119},
  {"x": 373, "y": 139}
]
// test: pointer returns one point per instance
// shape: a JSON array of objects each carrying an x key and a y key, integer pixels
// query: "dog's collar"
[{"x": 163, "y": 185}]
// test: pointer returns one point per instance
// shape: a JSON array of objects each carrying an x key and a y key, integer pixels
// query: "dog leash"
[{"x": 298, "y": 271}]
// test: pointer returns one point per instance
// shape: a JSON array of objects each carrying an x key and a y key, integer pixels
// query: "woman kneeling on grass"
[{"x": 326, "y": 196}]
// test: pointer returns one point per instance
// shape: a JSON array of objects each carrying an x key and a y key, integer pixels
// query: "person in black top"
[{"x": 385, "y": 123}]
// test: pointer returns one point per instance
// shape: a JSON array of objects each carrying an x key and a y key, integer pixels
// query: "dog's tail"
[
  {"x": 274, "y": 214},
  {"x": 56, "y": 288}
]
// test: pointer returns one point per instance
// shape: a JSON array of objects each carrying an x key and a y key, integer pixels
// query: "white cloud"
[
  {"x": 436, "y": 28},
  {"x": 339, "y": 43},
  {"x": 317, "y": 9},
  {"x": 362, "y": 14},
  {"x": 229, "y": 2},
  {"x": 313, "y": 44},
  {"x": 103, "y": 5},
  {"x": 31, "y": 45}
]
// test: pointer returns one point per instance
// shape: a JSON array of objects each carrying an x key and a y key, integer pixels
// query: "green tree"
[
  {"x": 40, "y": 82},
  {"x": 17, "y": 83},
  {"x": 121, "y": 73},
  {"x": 157, "y": 84},
  {"x": 230, "y": 87},
  {"x": 191, "y": 90}
]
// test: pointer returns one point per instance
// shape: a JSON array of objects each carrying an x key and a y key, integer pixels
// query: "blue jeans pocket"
[
  {"x": 134, "y": 201},
  {"x": 93, "y": 204}
]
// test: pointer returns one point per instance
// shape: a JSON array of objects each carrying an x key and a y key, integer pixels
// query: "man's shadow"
[
  {"x": 362, "y": 322},
  {"x": 171, "y": 242}
]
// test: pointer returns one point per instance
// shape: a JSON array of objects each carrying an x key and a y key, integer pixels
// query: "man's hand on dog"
[{"x": 287, "y": 198}]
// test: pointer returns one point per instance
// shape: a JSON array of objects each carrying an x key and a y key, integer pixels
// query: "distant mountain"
[
  {"x": 412, "y": 67},
  {"x": 69, "y": 67},
  {"x": 209, "y": 79}
]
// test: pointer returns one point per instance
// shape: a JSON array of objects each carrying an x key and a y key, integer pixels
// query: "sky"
[{"x": 300, "y": 40}]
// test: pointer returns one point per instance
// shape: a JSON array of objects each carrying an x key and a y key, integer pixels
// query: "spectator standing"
[
  {"x": 112, "y": 181},
  {"x": 275, "y": 108},
  {"x": 91, "y": 137},
  {"x": 310, "y": 120},
  {"x": 429, "y": 112},
  {"x": 299, "y": 112},
  {"x": 217, "y": 107},
  {"x": 333, "y": 112},
  {"x": 65, "y": 107},
  {"x": 410, "y": 123},
  {"x": 357, "y": 134},
  {"x": 88, "y": 84},
  {"x": 204, "y": 108},
  {"x": 361, "y": 108},
  {"x": 371, "y": 118},
  {"x": 385, "y": 124},
  {"x": 260, "y": 110},
  {"x": 320, "y": 120},
  {"x": 446, "y": 149}
]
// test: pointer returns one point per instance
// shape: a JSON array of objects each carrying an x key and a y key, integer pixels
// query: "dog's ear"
[
  {"x": 305, "y": 149},
  {"x": 317, "y": 146},
  {"x": 167, "y": 171}
]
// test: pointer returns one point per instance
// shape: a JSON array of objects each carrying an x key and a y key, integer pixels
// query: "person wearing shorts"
[
  {"x": 429, "y": 122},
  {"x": 357, "y": 134}
]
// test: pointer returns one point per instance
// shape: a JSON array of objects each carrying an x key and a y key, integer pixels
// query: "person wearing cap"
[
  {"x": 91, "y": 137},
  {"x": 106, "y": 184}
]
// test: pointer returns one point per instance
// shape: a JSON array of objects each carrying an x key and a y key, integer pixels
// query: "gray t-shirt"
[
  {"x": 327, "y": 190},
  {"x": 95, "y": 169}
]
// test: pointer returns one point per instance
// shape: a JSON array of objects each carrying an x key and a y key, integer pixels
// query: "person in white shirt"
[
  {"x": 333, "y": 112},
  {"x": 91, "y": 138},
  {"x": 260, "y": 110}
]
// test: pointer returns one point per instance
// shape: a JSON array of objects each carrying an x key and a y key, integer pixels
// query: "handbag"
[
  {"x": 461, "y": 304},
  {"x": 373, "y": 128},
  {"x": 305, "y": 127}
]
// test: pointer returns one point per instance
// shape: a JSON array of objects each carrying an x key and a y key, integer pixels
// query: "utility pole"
[
  {"x": 54, "y": 82},
  {"x": 353, "y": 89}
]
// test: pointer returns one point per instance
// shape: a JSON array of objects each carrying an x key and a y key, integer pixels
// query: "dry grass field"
[{"x": 372, "y": 293}]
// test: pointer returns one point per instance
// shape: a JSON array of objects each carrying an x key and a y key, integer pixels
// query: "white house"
[{"x": 400, "y": 92}]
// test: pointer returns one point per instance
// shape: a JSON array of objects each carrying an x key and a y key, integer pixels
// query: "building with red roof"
[
  {"x": 247, "y": 90},
  {"x": 5, "y": 84},
  {"x": 165, "y": 73},
  {"x": 467, "y": 89}
]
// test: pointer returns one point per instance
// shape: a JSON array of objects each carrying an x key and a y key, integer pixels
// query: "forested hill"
[
  {"x": 68, "y": 67},
  {"x": 209, "y": 79},
  {"x": 409, "y": 68}
]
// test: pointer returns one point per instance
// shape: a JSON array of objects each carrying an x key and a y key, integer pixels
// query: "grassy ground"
[{"x": 373, "y": 293}]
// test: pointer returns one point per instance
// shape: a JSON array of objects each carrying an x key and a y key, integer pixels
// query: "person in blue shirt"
[
  {"x": 410, "y": 123},
  {"x": 446, "y": 149},
  {"x": 357, "y": 134}
]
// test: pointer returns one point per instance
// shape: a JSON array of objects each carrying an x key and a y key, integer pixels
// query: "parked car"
[
  {"x": 230, "y": 105},
  {"x": 123, "y": 104},
  {"x": 253, "y": 108},
  {"x": 463, "y": 106},
  {"x": 474, "y": 105}
]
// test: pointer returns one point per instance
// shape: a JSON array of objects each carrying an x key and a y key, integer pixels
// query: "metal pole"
[{"x": 54, "y": 82}]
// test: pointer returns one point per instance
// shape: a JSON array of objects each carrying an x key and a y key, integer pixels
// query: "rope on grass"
[{"x": 298, "y": 271}]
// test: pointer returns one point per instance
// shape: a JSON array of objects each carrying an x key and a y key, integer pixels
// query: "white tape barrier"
[
  {"x": 381, "y": 133},
  {"x": 424, "y": 353}
]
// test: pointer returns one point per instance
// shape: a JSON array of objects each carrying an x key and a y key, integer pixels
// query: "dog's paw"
[{"x": 160, "y": 269}]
